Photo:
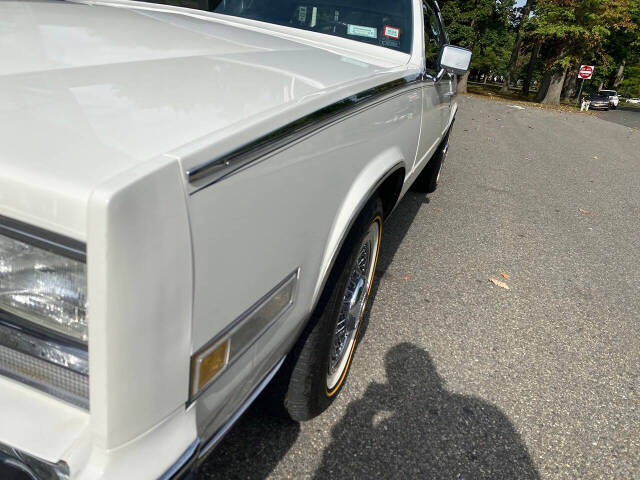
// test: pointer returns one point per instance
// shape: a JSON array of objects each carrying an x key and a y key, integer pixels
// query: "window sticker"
[
  {"x": 314, "y": 17},
  {"x": 360, "y": 31},
  {"x": 392, "y": 32},
  {"x": 302, "y": 14},
  {"x": 390, "y": 43}
]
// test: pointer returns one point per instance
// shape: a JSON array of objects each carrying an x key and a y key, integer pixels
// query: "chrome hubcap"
[{"x": 354, "y": 302}]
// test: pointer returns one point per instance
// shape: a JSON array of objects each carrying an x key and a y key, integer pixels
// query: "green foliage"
[
  {"x": 483, "y": 26},
  {"x": 631, "y": 85},
  {"x": 577, "y": 31},
  {"x": 603, "y": 33}
]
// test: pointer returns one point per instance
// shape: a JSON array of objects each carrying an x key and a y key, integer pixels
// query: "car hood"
[{"x": 89, "y": 91}]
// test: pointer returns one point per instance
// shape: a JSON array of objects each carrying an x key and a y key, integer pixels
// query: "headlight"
[
  {"x": 45, "y": 288},
  {"x": 43, "y": 311}
]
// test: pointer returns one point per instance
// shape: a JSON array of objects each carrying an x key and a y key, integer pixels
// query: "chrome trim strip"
[
  {"x": 222, "y": 431},
  {"x": 213, "y": 171},
  {"x": 246, "y": 330},
  {"x": 44, "y": 239},
  {"x": 184, "y": 463},
  {"x": 36, "y": 467},
  {"x": 65, "y": 356}
]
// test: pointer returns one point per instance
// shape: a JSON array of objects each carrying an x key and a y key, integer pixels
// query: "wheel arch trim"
[{"x": 361, "y": 192}]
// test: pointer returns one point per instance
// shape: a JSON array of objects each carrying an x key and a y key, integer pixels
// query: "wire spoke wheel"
[
  {"x": 316, "y": 368},
  {"x": 353, "y": 305}
]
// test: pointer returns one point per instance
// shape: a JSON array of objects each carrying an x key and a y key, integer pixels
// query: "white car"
[
  {"x": 612, "y": 95},
  {"x": 633, "y": 100},
  {"x": 192, "y": 202}
]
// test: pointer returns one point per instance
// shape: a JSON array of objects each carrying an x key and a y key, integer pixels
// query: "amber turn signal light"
[{"x": 207, "y": 365}]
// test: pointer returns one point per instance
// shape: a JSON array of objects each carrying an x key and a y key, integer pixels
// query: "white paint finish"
[
  {"x": 147, "y": 456},
  {"x": 323, "y": 179},
  {"x": 102, "y": 89},
  {"x": 139, "y": 270},
  {"x": 431, "y": 125},
  {"x": 30, "y": 419}
]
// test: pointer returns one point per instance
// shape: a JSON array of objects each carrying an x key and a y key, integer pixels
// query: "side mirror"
[{"x": 455, "y": 59}]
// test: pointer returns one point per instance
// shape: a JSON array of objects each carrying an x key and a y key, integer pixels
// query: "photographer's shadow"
[{"x": 412, "y": 427}]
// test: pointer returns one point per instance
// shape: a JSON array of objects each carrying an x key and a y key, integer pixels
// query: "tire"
[
  {"x": 315, "y": 369},
  {"x": 429, "y": 178}
]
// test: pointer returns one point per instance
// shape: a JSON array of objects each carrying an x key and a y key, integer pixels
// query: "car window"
[
  {"x": 433, "y": 38},
  {"x": 377, "y": 22}
]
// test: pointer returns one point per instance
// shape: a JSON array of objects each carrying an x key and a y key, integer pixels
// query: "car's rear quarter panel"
[{"x": 287, "y": 211}]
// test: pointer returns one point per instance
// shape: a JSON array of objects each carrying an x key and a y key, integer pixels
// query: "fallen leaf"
[
  {"x": 406, "y": 277},
  {"x": 595, "y": 157},
  {"x": 505, "y": 275},
  {"x": 585, "y": 212},
  {"x": 499, "y": 283}
]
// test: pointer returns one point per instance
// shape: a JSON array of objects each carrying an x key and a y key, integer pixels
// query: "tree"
[
  {"x": 572, "y": 31},
  {"x": 517, "y": 44},
  {"x": 630, "y": 86},
  {"x": 624, "y": 44},
  {"x": 482, "y": 27},
  {"x": 531, "y": 67}
]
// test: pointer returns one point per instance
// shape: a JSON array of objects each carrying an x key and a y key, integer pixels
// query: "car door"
[{"x": 437, "y": 85}]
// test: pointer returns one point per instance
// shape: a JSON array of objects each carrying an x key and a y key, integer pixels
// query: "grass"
[{"x": 493, "y": 92}]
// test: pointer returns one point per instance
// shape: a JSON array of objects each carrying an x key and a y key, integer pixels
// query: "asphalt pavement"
[
  {"x": 460, "y": 378},
  {"x": 626, "y": 115}
]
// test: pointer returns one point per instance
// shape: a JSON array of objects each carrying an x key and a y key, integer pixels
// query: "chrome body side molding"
[
  {"x": 222, "y": 431},
  {"x": 217, "y": 169},
  {"x": 197, "y": 452},
  {"x": 184, "y": 465}
]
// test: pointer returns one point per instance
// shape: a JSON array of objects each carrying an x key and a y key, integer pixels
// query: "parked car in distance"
[
  {"x": 633, "y": 100},
  {"x": 612, "y": 95},
  {"x": 191, "y": 206},
  {"x": 598, "y": 102}
]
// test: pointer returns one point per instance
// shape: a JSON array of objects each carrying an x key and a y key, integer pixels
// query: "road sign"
[{"x": 585, "y": 72}]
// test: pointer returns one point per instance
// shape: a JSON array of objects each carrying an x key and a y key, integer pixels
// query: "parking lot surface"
[{"x": 459, "y": 378}]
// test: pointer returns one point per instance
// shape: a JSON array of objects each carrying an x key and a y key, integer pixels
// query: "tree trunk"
[
  {"x": 462, "y": 82},
  {"x": 556, "y": 81},
  {"x": 532, "y": 65},
  {"x": 544, "y": 86},
  {"x": 513, "y": 61},
  {"x": 620, "y": 75},
  {"x": 570, "y": 83}
]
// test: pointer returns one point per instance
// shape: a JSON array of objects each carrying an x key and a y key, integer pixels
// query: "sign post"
[{"x": 585, "y": 73}]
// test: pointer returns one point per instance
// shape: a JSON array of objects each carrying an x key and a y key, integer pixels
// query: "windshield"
[
  {"x": 607, "y": 93},
  {"x": 377, "y": 22}
]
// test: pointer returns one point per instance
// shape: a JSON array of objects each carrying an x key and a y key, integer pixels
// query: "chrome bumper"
[{"x": 17, "y": 464}]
